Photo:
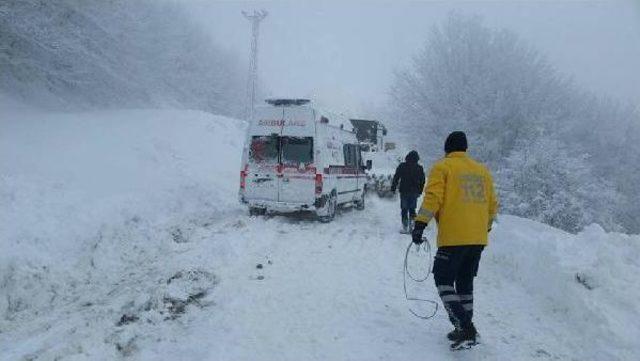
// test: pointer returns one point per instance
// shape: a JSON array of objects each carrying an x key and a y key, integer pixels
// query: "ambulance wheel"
[
  {"x": 332, "y": 204},
  {"x": 255, "y": 211},
  {"x": 360, "y": 203}
]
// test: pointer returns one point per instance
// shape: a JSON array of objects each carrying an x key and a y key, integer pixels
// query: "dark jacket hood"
[{"x": 412, "y": 157}]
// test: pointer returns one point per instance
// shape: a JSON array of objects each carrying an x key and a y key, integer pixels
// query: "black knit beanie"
[{"x": 456, "y": 142}]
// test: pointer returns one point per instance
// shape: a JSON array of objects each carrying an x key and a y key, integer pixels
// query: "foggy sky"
[{"x": 344, "y": 53}]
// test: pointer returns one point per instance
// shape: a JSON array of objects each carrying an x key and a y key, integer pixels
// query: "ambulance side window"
[
  {"x": 347, "y": 155},
  {"x": 350, "y": 155}
]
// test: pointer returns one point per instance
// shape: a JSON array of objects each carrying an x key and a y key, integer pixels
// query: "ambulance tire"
[
  {"x": 359, "y": 204},
  {"x": 257, "y": 211},
  {"x": 332, "y": 205}
]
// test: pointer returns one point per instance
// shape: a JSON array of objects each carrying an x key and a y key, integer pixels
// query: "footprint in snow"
[{"x": 238, "y": 224}]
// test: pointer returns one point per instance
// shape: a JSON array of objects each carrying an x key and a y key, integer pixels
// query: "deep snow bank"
[
  {"x": 94, "y": 207},
  {"x": 64, "y": 175},
  {"x": 577, "y": 292}
]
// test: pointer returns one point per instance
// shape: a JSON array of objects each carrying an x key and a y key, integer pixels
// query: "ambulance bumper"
[{"x": 284, "y": 207}]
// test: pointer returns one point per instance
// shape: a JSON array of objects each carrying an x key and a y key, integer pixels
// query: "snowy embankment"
[
  {"x": 122, "y": 237},
  {"x": 96, "y": 208}
]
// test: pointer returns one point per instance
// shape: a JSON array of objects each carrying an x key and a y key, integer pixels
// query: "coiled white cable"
[{"x": 425, "y": 246}]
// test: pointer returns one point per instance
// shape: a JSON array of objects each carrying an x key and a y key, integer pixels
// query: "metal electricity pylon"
[{"x": 252, "y": 80}]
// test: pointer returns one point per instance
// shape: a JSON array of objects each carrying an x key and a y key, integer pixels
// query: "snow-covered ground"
[{"x": 122, "y": 237}]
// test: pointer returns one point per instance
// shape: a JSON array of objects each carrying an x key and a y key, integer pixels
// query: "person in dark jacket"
[{"x": 410, "y": 175}]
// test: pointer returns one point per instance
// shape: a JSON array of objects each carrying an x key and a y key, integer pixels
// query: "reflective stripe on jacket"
[{"x": 461, "y": 196}]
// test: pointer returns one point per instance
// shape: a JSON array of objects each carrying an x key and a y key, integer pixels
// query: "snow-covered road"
[
  {"x": 334, "y": 292},
  {"x": 329, "y": 291},
  {"x": 134, "y": 246}
]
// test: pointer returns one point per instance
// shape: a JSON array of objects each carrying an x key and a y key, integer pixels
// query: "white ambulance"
[{"x": 295, "y": 159}]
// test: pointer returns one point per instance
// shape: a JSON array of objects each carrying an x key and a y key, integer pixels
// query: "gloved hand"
[{"x": 416, "y": 234}]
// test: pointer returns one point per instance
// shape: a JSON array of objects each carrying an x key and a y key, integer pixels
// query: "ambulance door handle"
[{"x": 262, "y": 180}]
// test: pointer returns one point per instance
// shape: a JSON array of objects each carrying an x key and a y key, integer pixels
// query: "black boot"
[
  {"x": 453, "y": 335},
  {"x": 466, "y": 338}
]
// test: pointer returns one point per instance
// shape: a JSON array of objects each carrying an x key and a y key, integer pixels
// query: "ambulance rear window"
[
  {"x": 296, "y": 150},
  {"x": 264, "y": 149}
]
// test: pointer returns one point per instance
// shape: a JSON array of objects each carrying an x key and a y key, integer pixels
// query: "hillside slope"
[
  {"x": 96, "y": 54},
  {"x": 126, "y": 240}
]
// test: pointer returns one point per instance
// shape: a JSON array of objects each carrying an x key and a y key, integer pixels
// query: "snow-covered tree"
[
  {"x": 545, "y": 181},
  {"x": 609, "y": 132},
  {"x": 116, "y": 53},
  {"x": 484, "y": 81},
  {"x": 563, "y": 156}
]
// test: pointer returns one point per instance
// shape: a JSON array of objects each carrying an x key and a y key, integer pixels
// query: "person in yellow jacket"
[{"x": 460, "y": 196}]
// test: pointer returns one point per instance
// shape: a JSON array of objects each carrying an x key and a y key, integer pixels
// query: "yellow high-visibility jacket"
[{"x": 461, "y": 196}]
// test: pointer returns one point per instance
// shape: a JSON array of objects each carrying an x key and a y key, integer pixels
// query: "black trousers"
[{"x": 454, "y": 269}]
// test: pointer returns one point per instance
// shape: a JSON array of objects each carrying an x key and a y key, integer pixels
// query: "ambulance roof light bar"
[{"x": 286, "y": 102}]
